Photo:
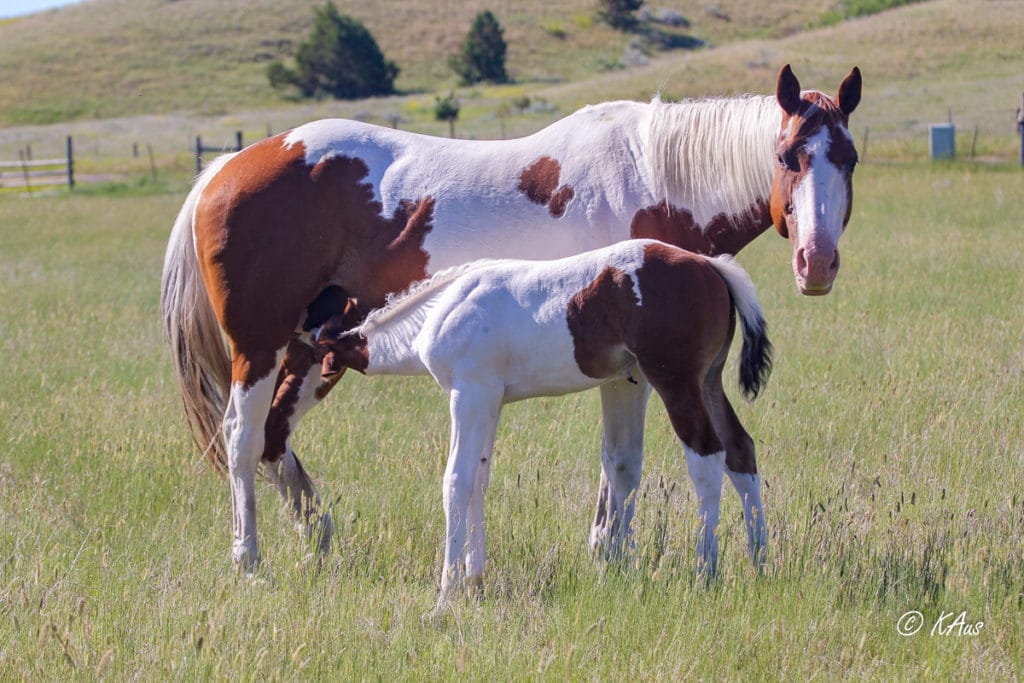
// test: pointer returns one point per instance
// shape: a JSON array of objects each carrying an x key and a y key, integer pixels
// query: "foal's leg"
[
  {"x": 474, "y": 413},
  {"x": 244, "y": 418},
  {"x": 623, "y": 406},
  {"x": 299, "y": 389},
  {"x": 740, "y": 463},
  {"x": 705, "y": 457},
  {"x": 476, "y": 546}
]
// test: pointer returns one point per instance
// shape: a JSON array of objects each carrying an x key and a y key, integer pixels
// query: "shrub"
[
  {"x": 340, "y": 58},
  {"x": 482, "y": 57},
  {"x": 447, "y": 109}
]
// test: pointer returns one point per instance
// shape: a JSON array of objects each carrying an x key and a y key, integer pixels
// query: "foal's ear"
[
  {"x": 849, "y": 92},
  {"x": 787, "y": 91}
]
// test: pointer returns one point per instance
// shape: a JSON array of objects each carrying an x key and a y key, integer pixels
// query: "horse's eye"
[
  {"x": 787, "y": 161},
  {"x": 851, "y": 166}
]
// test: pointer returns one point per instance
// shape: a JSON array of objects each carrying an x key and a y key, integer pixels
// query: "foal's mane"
[
  {"x": 714, "y": 152},
  {"x": 405, "y": 311}
]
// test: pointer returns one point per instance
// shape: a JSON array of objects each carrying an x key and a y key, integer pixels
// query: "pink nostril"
[
  {"x": 801, "y": 262},
  {"x": 817, "y": 265}
]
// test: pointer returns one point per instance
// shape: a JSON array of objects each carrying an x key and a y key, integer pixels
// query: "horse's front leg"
[
  {"x": 474, "y": 414},
  {"x": 623, "y": 407},
  {"x": 299, "y": 388}
]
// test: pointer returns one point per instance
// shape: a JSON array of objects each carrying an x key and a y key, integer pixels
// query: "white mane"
[
  {"x": 404, "y": 312},
  {"x": 715, "y": 152}
]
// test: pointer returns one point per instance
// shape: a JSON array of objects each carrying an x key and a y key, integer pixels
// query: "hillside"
[
  {"x": 921, "y": 63},
  {"x": 106, "y": 58}
]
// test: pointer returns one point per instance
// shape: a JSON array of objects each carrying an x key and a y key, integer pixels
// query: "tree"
[
  {"x": 340, "y": 58},
  {"x": 482, "y": 57},
  {"x": 447, "y": 109},
  {"x": 619, "y": 13}
]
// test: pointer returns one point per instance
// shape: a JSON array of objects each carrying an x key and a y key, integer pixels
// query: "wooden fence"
[
  {"x": 201, "y": 150},
  {"x": 34, "y": 175}
]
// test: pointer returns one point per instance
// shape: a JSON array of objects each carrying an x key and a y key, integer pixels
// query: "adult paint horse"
[
  {"x": 338, "y": 209},
  {"x": 495, "y": 332}
]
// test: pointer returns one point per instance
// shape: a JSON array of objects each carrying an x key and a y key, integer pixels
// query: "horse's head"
[{"x": 812, "y": 193}]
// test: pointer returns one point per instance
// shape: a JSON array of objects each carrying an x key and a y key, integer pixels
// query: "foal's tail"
[
  {"x": 202, "y": 364},
  {"x": 756, "y": 357}
]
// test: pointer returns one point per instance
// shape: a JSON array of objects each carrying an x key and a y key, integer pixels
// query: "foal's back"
[{"x": 554, "y": 327}]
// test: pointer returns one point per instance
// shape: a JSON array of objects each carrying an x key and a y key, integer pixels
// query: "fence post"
[
  {"x": 199, "y": 155},
  {"x": 71, "y": 165},
  {"x": 1020, "y": 129},
  {"x": 238, "y": 141}
]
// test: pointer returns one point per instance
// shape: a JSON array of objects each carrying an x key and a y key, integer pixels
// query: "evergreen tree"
[
  {"x": 619, "y": 13},
  {"x": 482, "y": 57},
  {"x": 340, "y": 58}
]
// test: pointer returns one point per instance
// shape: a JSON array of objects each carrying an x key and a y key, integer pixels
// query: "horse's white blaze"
[
  {"x": 748, "y": 486},
  {"x": 820, "y": 200},
  {"x": 706, "y": 473}
]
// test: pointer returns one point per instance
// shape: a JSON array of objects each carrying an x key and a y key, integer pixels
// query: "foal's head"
[
  {"x": 338, "y": 346},
  {"x": 812, "y": 193}
]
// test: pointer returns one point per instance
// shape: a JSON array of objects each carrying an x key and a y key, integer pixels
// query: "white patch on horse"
[
  {"x": 820, "y": 199},
  {"x": 706, "y": 473},
  {"x": 748, "y": 486},
  {"x": 327, "y": 139},
  {"x": 244, "y": 436}
]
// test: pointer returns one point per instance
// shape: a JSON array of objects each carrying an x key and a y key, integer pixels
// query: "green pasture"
[{"x": 890, "y": 440}]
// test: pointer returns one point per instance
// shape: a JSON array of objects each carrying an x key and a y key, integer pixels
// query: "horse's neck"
[{"x": 715, "y": 158}]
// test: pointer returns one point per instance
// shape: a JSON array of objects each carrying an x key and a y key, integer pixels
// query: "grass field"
[{"x": 890, "y": 440}]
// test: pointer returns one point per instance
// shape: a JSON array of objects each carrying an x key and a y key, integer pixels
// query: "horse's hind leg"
[
  {"x": 244, "y": 418},
  {"x": 740, "y": 462},
  {"x": 299, "y": 388},
  {"x": 623, "y": 407}
]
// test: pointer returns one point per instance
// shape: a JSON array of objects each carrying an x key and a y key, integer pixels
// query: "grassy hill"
[
  {"x": 106, "y": 58},
  {"x": 157, "y": 72}
]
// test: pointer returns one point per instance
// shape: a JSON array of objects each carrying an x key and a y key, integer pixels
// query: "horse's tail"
[
  {"x": 756, "y": 357},
  {"x": 202, "y": 363}
]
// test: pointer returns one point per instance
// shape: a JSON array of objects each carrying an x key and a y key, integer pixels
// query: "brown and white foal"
[{"x": 493, "y": 332}]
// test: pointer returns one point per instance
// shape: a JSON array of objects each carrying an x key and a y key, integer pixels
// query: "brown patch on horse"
[
  {"x": 539, "y": 182},
  {"x": 281, "y": 231},
  {"x": 722, "y": 235},
  {"x": 298, "y": 359},
  {"x": 597, "y": 318}
]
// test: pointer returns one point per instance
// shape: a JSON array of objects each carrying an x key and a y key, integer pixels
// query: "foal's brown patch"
[
  {"x": 722, "y": 235},
  {"x": 597, "y": 317},
  {"x": 539, "y": 182}
]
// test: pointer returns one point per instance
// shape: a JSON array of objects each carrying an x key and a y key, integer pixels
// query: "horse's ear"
[
  {"x": 787, "y": 91},
  {"x": 849, "y": 92}
]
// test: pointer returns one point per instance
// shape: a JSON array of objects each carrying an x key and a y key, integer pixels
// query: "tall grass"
[{"x": 889, "y": 438}]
